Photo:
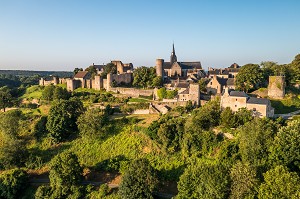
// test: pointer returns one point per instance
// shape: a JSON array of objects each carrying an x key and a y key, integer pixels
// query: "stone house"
[
  {"x": 229, "y": 72},
  {"x": 216, "y": 85},
  {"x": 260, "y": 107}
]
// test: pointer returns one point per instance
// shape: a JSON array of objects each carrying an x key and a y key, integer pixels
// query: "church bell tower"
[{"x": 173, "y": 57}]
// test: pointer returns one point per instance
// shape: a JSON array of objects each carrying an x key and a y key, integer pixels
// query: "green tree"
[
  {"x": 60, "y": 93},
  {"x": 295, "y": 68},
  {"x": 244, "y": 181},
  {"x": 255, "y": 138},
  {"x": 12, "y": 183},
  {"x": 9, "y": 124},
  {"x": 47, "y": 93},
  {"x": 242, "y": 116},
  {"x": 13, "y": 153},
  {"x": 250, "y": 77},
  {"x": 170, "y": 134},
  {"x": 91, "y": 122},
  {"x": 139, "y": 181},
  {"x": 109, "y": 68},
  {"x": 76, "y": 70},
  {"x": 227, "y": 118},
  {"x": 92, "y": 70},
  {"x": 162, "y": 93},
  {"x": 279, "y": 183},
  {"x": 143, "y": 76},
  {"x": 205, "y": 117},
  {"x": 286, "y": 145},
  {"x": 5, "y": 99},
  {"x": 62, "y": 117},
  {"x": 157, "y": 81},
  {"x": 204, "y": 180},
  {"x": 202, "y": 85},
  {"x": 65, "y": 170}
]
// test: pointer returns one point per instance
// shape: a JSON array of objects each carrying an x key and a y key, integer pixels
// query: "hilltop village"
[
  {"x": 181, "y": 77},
  {"x": 171, "y": 130}
]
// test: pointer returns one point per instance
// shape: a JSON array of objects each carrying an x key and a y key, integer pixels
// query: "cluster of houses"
[{"x": 183, "y": 77}]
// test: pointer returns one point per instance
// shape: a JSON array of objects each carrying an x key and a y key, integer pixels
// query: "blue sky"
[{"x": 64, "y": 34}]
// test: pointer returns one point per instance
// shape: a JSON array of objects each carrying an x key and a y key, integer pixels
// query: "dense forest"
[{"x": 86, "y": 144}]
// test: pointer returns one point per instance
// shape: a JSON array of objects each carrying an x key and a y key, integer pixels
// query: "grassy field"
[{"x": 33, "y": 92}]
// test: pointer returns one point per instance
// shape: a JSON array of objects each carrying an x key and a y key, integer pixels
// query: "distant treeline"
[{"x": 38, "y": 73}]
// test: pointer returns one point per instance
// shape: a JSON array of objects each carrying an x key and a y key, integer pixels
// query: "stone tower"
[
  {"x": 194, "y": 92},
  {"x": 173, "y": 57},
  {"x": 108, "y": 81},
  {"x": 276, "y": 88},
  {"x": 159, "y": 67}
]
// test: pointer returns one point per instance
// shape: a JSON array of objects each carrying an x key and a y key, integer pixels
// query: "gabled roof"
[
  {"x": 192, "y": 65},
  {"x": 184, "y": 65},
  {"x": 238, "y": 94},
  {"x": 167, "y": 65},
  {"x": 186, "y": 91},
  {"x": 81, "y": 74},
  {"x": 222, "y": 81},
  {"x": 182, "y": 85},
  {"x": 254, "y": 100},
  {"x": 230, "y": 82}
]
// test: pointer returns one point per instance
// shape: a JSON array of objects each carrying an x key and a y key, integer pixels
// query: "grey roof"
[
  {"x": 182, "y": 85},
  {"x": 230, "y": 82},
  {"x": 238, "y": 94},
  {"x": 222, "y": 81},
  {"x": 193, "y": 65},
  {"x": 187, "y": 91},
  {"x": 254, "y": 100},
  {"x": 167, "y": 65},
  {"x": 184, "y": 65}
]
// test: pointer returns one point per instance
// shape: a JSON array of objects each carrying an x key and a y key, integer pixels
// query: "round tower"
[{"x": 159, "y": 67}]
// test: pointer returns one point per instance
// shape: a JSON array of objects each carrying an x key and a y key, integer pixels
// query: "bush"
[{"x": 12, "y": 183}]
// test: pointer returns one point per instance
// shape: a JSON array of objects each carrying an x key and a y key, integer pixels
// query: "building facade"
[{"x": 260, "y": 107}]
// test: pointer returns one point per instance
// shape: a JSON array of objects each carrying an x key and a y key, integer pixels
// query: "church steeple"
[{"x": 173, "y": 57}]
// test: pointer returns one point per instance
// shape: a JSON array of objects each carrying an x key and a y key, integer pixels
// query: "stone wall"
[{"x": 132, "y": 91}]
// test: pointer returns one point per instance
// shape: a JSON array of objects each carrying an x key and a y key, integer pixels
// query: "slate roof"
[
  {"x": 187, "y": 91},
  {"x": 238, "y": 94},
  {"x": 218, "y": 72},
  {"x": 184, "y": 65},
  {"x": 193, "y": 65},
  {"x": 167, "y": 65},
  {"x": 81, "y": 74},
  {"x": 230, "y": 82},
  {"x": 254, "y": 100},
  {"x": 182, "y": 85}
]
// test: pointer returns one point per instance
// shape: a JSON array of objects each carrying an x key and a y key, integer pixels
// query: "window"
[
  {"x": 254, "y": 109},
  {"x": 235, "y": 99},
  {"x": 210, "y": 83},
  {"x": 235, "y": 105}
]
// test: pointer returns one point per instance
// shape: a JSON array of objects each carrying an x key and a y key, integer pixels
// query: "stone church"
[{"x": 175, "y": 69}]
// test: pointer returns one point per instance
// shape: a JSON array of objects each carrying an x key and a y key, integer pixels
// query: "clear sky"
[{"x": 64, "y": 34}]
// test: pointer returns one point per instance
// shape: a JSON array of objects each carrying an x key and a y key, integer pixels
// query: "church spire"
[
  {"x": 173, "y": 57},
  {"x": 173, "y": 48}
]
